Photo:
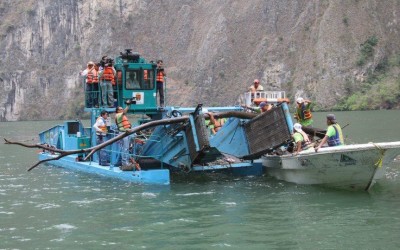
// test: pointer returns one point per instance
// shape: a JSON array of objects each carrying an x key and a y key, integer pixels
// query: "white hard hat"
[
  {"x": 299, "y": 100},
  {"x": 204, "y": 110},
  {"x": 297, "y": 127}
]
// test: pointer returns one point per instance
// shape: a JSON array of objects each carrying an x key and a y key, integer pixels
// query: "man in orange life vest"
[
  {"x": 107, "y": 77},
  {"x": 160, "y": 81},
  {"x": 92, "y": 84},
  {"x": 123, "y": 125},
  {"x": 100, "y": 128}
]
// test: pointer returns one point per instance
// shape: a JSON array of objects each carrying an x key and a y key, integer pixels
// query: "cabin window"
[
  {"x": 139, "y": 79},
  {"x": 72, "y": 128},
  {"x": 148, "y": 79},
  {"x": 133, "y": 80}
]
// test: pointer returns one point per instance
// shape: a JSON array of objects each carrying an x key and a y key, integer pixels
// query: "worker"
[
  {"x": 124, "y": 125},
  {"x": 107, "y": 77},
  {"x": 160, "y": 81},
  {"x": 334, "y": 135},
  {"x": 303, "y": 112},
  {"x": 256, "y": 86},
  {"x": 263, "y": 107},
  {"x": 215, "y": 124},
  {"x": 92, "y": 84},
  {"x": 300, "y": 138},
  {"x": 101, "y": 130}
]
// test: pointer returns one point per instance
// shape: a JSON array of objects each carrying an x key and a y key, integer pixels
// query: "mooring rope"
[
  {"x": 378, "y": 164},
  {"x": 382, "y": 152}
]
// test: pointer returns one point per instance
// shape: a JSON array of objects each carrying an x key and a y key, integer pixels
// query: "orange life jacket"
[
  {"x": 104, "y": 127},
  {"x": 92, "y": 76},
  {"x": 108, "y": 75},
  {"x": 95, "y": 76},
  {"x": 160, "y": 76},
  {"x": 302, "y": 113},
  {"x": 122, "y": 122}
]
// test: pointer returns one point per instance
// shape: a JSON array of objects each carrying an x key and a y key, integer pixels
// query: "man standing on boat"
[
  {"x": 100, "y": 128},
  {"x": 334, "y": 135},
  {"x": 160, "y": 81},
  {"x": 92, "y": 84},
  {"x": 303, "y": 112},
  {"x": 256, "y": 86},
  {"x": 107, "y": 77},
  {"x": 123, "y": 125}
]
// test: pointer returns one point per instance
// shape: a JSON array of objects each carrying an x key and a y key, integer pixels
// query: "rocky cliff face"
[{"x": 212, "y": 49}]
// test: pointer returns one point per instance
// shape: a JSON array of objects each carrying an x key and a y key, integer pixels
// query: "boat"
[
  {"x": 354, "y": 167},
  {"x": 169, "y": 139}
]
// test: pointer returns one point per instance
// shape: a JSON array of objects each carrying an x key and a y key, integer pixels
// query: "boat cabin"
[{"x": 135, "y": 80}]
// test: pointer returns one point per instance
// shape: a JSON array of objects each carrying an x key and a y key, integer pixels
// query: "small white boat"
[{"x": 356, "y": 166}]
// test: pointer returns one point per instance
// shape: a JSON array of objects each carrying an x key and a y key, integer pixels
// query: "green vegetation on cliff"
[{"x": 381, "y": 89}]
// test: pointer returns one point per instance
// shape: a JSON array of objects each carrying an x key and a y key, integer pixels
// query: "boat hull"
[
  {"x": 153, "y": 176},
  {"x": 351, "y": 166},
  {"x": 150, "y": 176}
]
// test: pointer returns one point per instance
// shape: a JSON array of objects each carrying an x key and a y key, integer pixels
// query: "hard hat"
[
  {"x": 262, "y": 104},
  {"x": 90, "y": 63},
  {"x": 299, "y": 100},
  {"x": 256, "y": 81},
  {"x": 331, "y": 117},
  {"x": 204, "y": 110},
  {"x": 297, "y": 127}
]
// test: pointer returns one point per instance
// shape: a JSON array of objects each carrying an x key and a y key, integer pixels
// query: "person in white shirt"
[
  {"x": 101, "y": 130},
  {"x": 256, "y": 86}
]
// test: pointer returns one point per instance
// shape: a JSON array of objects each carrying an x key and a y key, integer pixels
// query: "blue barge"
[{"x": 167, "y": 139}]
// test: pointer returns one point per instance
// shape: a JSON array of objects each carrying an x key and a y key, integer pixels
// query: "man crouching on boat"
[
  {"x": 334, "y": 135},
  {"x": 300, "y": 138}
]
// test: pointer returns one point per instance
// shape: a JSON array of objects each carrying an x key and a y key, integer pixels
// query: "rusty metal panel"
[
  {"x": 201, "y": 134},
  {"x": 266, "y": 131},
  {"x": 190, "y": 142}
]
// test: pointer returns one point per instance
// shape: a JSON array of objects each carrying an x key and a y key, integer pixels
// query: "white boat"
[{"x": 356, "y": 166}]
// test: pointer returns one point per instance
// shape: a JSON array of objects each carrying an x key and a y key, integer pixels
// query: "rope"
[
  {"x": 382, "y": 152},
  {"x": 378, "y": 164}
]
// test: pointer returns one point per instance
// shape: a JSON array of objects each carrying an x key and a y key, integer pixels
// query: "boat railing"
[
  {"x": 250, "y": 97},
  {"x": 136, "y": 145},
  {"x": 93, "y": 97},
  {"x": 51, "y": 136}
]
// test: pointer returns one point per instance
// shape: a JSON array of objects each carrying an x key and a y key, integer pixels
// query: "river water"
[{"x": 53, "y": 208}]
